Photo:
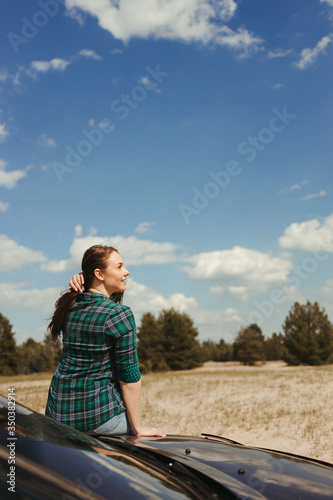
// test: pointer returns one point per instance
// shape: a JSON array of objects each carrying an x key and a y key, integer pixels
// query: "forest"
[{"x": 169, "y": 342}]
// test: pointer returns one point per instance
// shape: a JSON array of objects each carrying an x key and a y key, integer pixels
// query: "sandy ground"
[{"x": 272, "y": 406}]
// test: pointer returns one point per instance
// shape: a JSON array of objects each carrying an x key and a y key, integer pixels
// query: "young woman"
[{"x": 96, "y": 385}]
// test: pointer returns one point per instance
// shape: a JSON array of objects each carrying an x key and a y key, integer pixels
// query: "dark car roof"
[{"x": 55, "y": 461}]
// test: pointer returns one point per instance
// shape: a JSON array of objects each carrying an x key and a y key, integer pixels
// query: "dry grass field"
[{"x": 272, "y": 406}]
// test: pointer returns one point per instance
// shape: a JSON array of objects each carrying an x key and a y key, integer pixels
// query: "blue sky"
[{"x": 193, "y": 135}]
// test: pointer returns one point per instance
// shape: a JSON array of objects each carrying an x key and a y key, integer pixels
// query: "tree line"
[
  {"x": 29, "y": 357},
  {"x": 170, "y": 342}
]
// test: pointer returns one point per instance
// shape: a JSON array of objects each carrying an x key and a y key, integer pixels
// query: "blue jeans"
[{"x": 117, "y": 425}]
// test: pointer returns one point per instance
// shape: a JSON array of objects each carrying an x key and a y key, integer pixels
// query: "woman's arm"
[{"x": 131, "y": 396}]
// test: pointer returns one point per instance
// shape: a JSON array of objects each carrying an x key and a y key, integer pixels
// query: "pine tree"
[
  {"x": 213, "y": 351},
  {"x": 308, "y": 335},
  {"x": 8, "y": 349},
  {"x": 274, "y": 347},
  {"x": 249, "y": 345},
  {"x": 182, "y": 350},
  {"x": 39, "y": 356},
  {"x": 150, "y": 345}
]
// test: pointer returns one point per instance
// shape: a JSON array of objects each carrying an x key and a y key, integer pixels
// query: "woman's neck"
[{"x": 99, "y": 290}]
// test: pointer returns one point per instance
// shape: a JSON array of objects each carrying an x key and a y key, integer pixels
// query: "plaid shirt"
[{"x": 99, "y": 349}]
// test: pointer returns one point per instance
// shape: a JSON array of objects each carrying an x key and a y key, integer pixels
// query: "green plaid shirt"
[{"x": 99, "y": 349}]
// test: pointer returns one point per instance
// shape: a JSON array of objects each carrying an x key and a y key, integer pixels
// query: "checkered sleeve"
[{"x": 121, "y": 326}]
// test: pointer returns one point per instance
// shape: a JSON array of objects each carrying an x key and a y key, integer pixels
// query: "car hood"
[
  {"x": 54, "y": 460},
  {"x": 248, "y": 472}
]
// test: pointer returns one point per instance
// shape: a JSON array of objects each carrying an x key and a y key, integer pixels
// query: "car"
[{"x": 42, "y": 459}]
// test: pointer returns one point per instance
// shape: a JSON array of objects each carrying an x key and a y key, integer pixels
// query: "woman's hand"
[
  {"x": 150, "y": 431},
  {"x": 77, "y": 282}
]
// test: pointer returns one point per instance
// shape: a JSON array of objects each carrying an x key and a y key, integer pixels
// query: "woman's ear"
[{"x": 98, "y": 274}]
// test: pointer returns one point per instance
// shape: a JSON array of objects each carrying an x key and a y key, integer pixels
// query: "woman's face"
[{"x": 115, "y": 274}]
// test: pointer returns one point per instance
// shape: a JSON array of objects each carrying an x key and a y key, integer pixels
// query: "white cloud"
[
  {"x": 142, "y": 298},
  {"x": 10, "y": 179},
  {"x": 4, "y": 206},
  {"x": 144, "y": 80},
  {"x": 240, "y": 40},
  {"x": 310, "y": 235},
  {"x": 14, "y": 256},
  {"x": 314, "y": 195},
  {"x": 211, "y": 317},
  {"x": 327, "y": 289},
  {"x": 3, "y": 75},
  {"x": 215, "y": 324},
  {"x": 145, "y": 299},
  {"x": 78, "y": 231},
  {"x": 55, "y": 64},
  {"x": 240, "y": 270},
  {"x": 294, "y": 187},
  {"x": 77, "y": 15},
  {"x": 45, "y": 141},
  {"x": 18, "y": 295},
  {"x": 145, "y": 227},
  {"x": 277, "y": 86},
  {"x": 309, "y": 56},
  {"x": 330, "y": 2},
  {"x": 116, "y": 80},
  {"x": 292, "y": 294},
  {"x": 278, "y": 53},
  {"x": 238, "y": 292},
  {"x": 132, "y": 250},
  {"x": 116, "y": 51},
  {"x": 184, "y": 20},
  {"x": 90, "y": 54},
  {"x": 3, "y": 132}
]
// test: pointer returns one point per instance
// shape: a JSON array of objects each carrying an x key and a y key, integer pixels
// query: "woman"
[{"x": 96, "y": 386}]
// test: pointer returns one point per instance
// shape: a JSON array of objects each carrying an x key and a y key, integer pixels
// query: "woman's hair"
[{"x": 95, "y": 257}]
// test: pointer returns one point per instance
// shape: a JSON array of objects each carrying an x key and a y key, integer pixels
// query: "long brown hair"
[{"x": 94, "y": 258}]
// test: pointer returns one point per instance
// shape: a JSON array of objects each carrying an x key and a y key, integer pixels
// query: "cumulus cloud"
[
  {"x": 327, "y": 289},
  {"x": 90, "y": 54},
  {"x": 314, "y": 195},
  {"x": 132, "y": 250},
  {"x": 277, "y": 86},
  {"x": 311, "y": 235},
  {"x": 329, "y": 2},
  {"x": 142, "y": 298},
  {"x": 294, "y": 187},
  {"x": 4, "y": 75},
  {"x": 4, "y": 206},
  {"x": 309, "y": 56},
  {"x": 183, "y": 20},
  {"x": 10, "y": 179},
  {"x": 238, "y": 292},
  {"x": 145, "y": 227},
  {"x": 278, "y": 53},
  {"x": 55, "y": 64},
  {"x": 18, "y": 295},
  {"x": 4, "y": 133},
  {"x": 15, "y": 256},
  {"x": 46, "y": 142},
  {"x": 238, "y": 271}
]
